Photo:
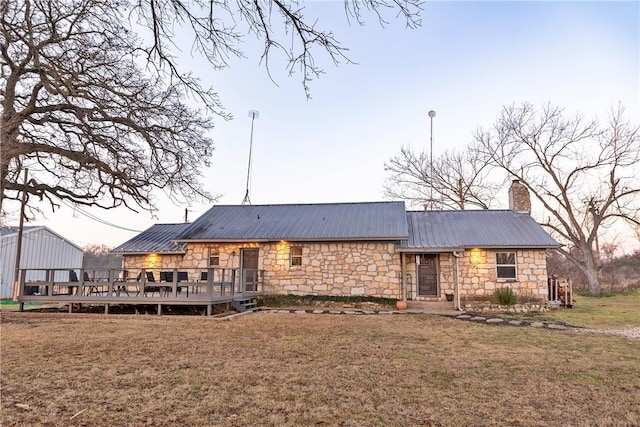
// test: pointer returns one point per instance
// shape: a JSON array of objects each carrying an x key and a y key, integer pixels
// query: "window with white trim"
[
  {"x": 295, "y": 255},
  {"x": 506, "y": 268},
  {"x": 214, "y": 257}
]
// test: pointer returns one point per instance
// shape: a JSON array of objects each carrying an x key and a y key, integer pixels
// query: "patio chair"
[
  {"x": 73, "y": 277},
  {"x": 183, "y": 276},
  {"x": 151, "y": 279}
]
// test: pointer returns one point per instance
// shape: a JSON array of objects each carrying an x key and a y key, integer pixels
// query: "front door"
[
  {"x": 427, "y": 275},
  {"x": 249, "y": 266}
]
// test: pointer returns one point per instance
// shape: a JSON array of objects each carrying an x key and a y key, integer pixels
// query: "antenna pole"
[
  {"x": 254, "y": 115},
  {"x": 431, "y": 115}
]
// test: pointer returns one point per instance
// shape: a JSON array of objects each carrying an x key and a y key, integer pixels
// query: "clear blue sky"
[{"x": 466, "y": 61}]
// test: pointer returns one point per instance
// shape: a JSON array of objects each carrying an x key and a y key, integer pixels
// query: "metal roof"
[
  {"x": 159, "y": 238},
  {"x": 8, "y": 232},
  {"x": 474, "y": 228},
  {"x": 12, "y": 229},
  {"x": 300, "y": 222}
]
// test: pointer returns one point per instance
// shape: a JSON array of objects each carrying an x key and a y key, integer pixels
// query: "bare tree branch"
[
  {"x": 98, "y": 128},
  {"x": 584, "y": 175},
  {"x": 461, "y": 179}
]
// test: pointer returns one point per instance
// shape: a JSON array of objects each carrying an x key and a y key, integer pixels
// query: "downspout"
[
  {"x": 457, "y": 275},
  {"x": 403, "y": 287}
]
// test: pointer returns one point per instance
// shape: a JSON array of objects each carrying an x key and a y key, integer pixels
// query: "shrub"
[
  {"x": 280, "y": 300},
  {"x": 505, "y": 296}
]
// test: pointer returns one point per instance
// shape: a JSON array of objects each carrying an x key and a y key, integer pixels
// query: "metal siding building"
[{"x": 41, "y": 248}]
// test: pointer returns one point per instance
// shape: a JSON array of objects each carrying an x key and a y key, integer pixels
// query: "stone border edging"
[
  {"x": 491, "y": 320},
  {"x": 494, "y": 320}
]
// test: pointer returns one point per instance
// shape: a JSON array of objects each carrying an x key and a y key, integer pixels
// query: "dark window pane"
[{"x": 506, "y": 272}]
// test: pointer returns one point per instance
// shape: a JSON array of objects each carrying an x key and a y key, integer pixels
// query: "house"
[
  {"x": 42, "y": 248},
  {"x": 374, "y": 248}
]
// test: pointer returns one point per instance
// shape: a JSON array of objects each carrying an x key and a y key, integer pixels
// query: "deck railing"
[
  {"x": 139, "y": 286},
  {"x": 560, "y": 291}
]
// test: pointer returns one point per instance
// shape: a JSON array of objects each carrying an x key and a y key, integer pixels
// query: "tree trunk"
[{"x": 590, "y": 270}]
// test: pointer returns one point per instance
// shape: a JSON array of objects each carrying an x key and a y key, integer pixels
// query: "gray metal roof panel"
[
  {"x": 475, "y": 228},
  {"x": 5, "y": 231},
  {"x": 330, "y": 221},
  {"x": 159, "y": 238}
]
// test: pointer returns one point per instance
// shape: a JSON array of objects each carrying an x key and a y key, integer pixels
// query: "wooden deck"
[{"x": 184, "y": 287}]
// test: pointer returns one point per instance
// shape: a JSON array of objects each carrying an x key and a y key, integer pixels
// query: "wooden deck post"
[
  {"x": 209, "y": 309},
  {"x": 70, "y": 307},
  {"x": 159, "y": 309},
  {"x": 106, "y": 309}
]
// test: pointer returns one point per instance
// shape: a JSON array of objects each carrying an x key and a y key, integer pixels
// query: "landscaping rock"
[
  {"x": 495, "y": 320},
  {"x": 537, "y": 324},
  {"x": 478, "y": 318},
  {"x": 554, "y": 326}
]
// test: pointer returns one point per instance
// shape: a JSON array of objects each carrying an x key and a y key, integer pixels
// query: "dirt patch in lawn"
[{"x": 302, "y": 369}]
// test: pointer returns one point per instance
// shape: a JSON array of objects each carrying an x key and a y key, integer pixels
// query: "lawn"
[
  {"x": 617, "y": 311},
  {"x": 304, "y": 369}
]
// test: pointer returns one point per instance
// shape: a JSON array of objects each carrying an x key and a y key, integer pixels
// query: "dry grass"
[{"x": 302, "y": 369}]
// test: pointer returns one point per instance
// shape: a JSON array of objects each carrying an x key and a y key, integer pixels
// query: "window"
[
  {"x": 506, "y": 265},
  {"x": 214, "y": 258},
  {"x": 296, "y": 255}
]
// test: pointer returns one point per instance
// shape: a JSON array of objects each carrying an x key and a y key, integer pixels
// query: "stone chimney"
[{"x": 519, "y": 199}]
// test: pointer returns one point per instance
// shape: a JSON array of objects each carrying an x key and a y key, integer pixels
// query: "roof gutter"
[
  {"x": 463, "y": 248},
  {"x": 296, "y": 239},
  {"x": 147, "y": 253}
]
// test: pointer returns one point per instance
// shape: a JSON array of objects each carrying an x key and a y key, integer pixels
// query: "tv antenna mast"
[{"x": 254, "y": 115}]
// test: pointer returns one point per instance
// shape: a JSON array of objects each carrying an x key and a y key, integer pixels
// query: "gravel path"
[{"x": 629, "y": 333}]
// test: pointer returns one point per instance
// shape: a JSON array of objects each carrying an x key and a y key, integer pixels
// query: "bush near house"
[
  {"x": 286, "y": 300},
  {"x": 506, "y": 296}
]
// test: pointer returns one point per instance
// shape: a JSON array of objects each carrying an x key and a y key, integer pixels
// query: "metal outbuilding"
[{"x": 41, "y": 248}]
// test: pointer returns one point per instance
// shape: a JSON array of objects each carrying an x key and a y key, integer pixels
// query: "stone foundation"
[{"x": 498, "y": 308}]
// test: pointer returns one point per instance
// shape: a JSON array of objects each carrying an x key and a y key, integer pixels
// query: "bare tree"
[
  {"x": 584, "y": 175},
  {"x": 99, "y": 259},
  {"x": 98, "y": 114},
  {"x": 460, "y": 179}
]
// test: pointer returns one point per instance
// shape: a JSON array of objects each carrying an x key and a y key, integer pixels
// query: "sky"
[{"x": 466, "y": 61}]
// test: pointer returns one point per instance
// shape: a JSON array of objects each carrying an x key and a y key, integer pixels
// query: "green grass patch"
[
  {"x": 15, "y": 306},
  {"x": 596, "y": 312}
]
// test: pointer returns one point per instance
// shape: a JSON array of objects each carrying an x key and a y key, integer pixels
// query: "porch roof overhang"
[
  {"x": 428, "y": 250},
  {"x": 129, "y": 253},
  {"x": 423, "y": 250},
  {"x": 296, "y": 239}
]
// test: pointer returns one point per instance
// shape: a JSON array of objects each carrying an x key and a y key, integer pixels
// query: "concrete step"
[
  {"x": 430, "y": 305},
  {"x": 244, "y": 305}
]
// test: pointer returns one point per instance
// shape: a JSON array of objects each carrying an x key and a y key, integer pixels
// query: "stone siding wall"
[
  {"x": 358, "y": 268},
  {"x": 477, "y": 273},
  {"x": 332, "y": 268},
  {"x": 340, "y": 268}
]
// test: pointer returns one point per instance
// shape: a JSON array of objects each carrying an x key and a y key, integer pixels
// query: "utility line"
[{"x": 95, "y": 218}]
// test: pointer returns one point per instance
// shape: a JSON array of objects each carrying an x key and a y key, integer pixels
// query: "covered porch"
[
  {"x": 430, "y": 276},
  {"x": 161, "y": 287}
]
